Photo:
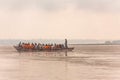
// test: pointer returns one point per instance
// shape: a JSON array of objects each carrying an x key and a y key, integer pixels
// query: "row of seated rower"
[{"x": 41, "y": 46}]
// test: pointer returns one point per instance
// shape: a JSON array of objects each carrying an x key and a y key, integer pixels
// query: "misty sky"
[{"x": 59, "y": 19}]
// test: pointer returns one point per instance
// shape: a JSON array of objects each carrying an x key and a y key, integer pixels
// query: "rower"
[{"x": 19, "y": 44}]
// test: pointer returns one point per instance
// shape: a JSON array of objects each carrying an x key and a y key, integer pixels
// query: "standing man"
[{"x": 66, "y": 46}]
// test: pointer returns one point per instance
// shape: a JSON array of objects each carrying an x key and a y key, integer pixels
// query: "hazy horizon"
[
  {"x": 11, "y": 42},
  {"x": 59, "y": 19}
]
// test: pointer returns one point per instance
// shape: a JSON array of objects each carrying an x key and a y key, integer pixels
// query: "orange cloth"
[{"x": 47, "y": 47}]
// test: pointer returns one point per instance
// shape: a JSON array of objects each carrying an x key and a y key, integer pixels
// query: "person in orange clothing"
[
  {"x": 32, "y": 46},
  {"x": 47, "y": 47}
]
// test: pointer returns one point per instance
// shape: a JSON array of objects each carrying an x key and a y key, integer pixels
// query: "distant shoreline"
[{"x": 93, "y": 44}]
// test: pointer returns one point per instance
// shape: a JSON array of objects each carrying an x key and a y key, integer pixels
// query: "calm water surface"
[{"x": 86, "y": 62}]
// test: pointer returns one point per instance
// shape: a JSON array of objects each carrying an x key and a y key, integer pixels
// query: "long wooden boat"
[{"x": 19, "y": 49}]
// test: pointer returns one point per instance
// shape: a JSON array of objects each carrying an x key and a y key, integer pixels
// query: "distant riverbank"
[{"x": 59, "y": 41}]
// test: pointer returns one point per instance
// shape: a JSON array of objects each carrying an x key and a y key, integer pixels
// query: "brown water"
[{"x": 86, "y": 62}]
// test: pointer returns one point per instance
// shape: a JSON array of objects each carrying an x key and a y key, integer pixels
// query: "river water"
[{"x": 86, "y": 62}]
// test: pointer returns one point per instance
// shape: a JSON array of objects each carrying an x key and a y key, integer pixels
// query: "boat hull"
[{"x": 19, "y": 49}]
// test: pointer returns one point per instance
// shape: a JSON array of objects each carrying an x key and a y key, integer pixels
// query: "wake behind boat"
[{"x": 37, "y": 47}]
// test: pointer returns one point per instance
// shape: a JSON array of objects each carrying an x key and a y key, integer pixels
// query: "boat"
[
  {"x": 65, "y": 48},
  {"x": 19, "y": 49}
]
